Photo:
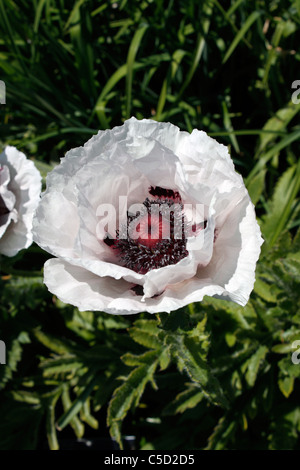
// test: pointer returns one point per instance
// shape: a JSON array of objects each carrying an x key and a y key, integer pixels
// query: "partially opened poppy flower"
[
  {"x": 145, "y": 217},
  {"x": 20, "y": 188}
]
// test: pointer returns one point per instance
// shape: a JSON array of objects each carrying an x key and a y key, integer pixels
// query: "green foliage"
[{"x": 223, "y": 371}]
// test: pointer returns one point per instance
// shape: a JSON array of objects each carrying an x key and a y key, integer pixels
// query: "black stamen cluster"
[{"x": 140, "y": 258}]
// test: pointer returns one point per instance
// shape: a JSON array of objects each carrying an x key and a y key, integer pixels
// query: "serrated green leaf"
[
  {"x": 128, "y": 395},
  {"x": 282, "y": 348},
  {"x": 50, "y": 423},
  {"x": 256, "y": 186},
  {"x": 61, "y": 365},
  {"x": 288, "y": 368},
  {"x": 189, "y": 356},
  {"x": 129, "y": 391},
  {"x": 165, "y": 358},
  {"x": 286, "y": 385},
  {"x": 221, "y": 434},
  {"x": 185, "y": 400},
  {"x": 78, "y": 403},
  {"x": 26, "y": 397},
  {"x": 134, "y": 360},
  {"x": 241, "y": 315},
  {"x": 284, "y": 428},
  {"x": 145, "y": 332},
  {"x": 13, "y": 355},
  {"x": 75, "y": 422},
  {"x": 53, "y": 343},
  {"x": 253, "y": 364},
  {"x": 149, "y": 326},
  {"x": 230, "y": 339},
  {"x": 115, "y": 432},
  {"x": 85, "y": 415},
  {"x": 264, "y": 290}
]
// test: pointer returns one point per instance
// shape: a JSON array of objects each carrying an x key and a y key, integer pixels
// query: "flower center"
[
  {"x": 150, "y": 229},
  {"x": 155, "y": 236}
]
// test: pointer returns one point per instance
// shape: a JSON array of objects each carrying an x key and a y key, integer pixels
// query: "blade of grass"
[
  {"x": 232, "y": 24},
  {"x": 176, "y": 59},
  {"x": 38, "y": 14},
  {"x": 234, "y": 7},
  {"x": 134, "y": 46},
  {"x": 278, "y": 122},
  {"x": 273, "y": 151},
  {"x": 272, "y": 54},
  {"x": 99, "y": 107},
  {"x": 239, "y": 36},
  {"x": 228, "y": 126},
  {"x": 6, "y": 26},
  {"x": 65, "y": 130},
  {"x": 198, "y": 50},
  {"x": 73, "y": 17},
  {"x": 80, "y": 33}
]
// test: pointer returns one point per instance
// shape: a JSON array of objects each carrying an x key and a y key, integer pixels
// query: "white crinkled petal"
[
  {"x": 56, "y": 224},
  {"x": 85, "y": 290},
  {"x": 156, "y": 280},
  {"x": 25, "y": 184},
  {"x": 8, "y": 197},
  {"x": 236, "y": 252},
  {"x": 155, "y": 156},
  {"x": 7, "y": 201}
]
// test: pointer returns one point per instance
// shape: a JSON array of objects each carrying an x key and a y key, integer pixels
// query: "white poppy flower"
[
  {"x": 20, "y": 188},
  {"x": 97, "y": 218}
]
